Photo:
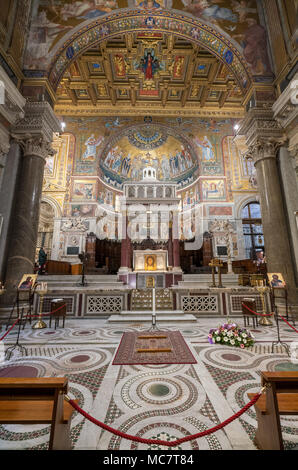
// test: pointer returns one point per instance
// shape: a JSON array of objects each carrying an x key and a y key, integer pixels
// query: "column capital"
[
  {"x": 265, "y": 147},
  {"x": 36, "y": 146},
  {"x": 35, "y": 131},
  {"x": 39, "y": 121}
]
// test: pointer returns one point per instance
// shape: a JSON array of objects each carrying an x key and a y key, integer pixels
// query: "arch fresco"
[{"x": 134, "y": 21}]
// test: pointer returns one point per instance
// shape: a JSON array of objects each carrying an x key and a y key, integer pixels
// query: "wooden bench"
[
  {"x": 38, "y": 401},
  {"x": 280, "y": 398}
]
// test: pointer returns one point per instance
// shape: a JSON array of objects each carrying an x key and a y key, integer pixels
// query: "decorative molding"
[
  {"x": 74, "y": 225},
  {"x": 154, "y": 109},
  {"x": 200, "y": 303},
  {"x": 104, "y": 304}
]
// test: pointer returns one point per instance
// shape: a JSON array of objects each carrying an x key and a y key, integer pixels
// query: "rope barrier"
[
  {"x": 259, "y": 314},
  {"x": 160, "y": 442},
  {"x": 32, "y": 316},
  {"x": 280, "y": 316},
  {"x": 46, "y": 314},
  {"x": 269, "y": 314},
  {"x": 8, "y": 331}
]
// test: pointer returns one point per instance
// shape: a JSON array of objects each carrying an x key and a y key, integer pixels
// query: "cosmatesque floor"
[{"x": 158, "y": 402}]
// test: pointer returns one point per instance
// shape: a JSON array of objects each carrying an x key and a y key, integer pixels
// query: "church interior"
[{"x": 148, "y": 224}]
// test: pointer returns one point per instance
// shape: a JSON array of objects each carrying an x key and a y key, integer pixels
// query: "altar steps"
[
  {"x": 72, "y": 282},
  {"x": 191, "y": 281},
  {"x": 146, "y": 316}
]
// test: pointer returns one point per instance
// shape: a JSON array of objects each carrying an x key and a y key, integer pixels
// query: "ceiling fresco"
[{"x": 53, "y": 19}]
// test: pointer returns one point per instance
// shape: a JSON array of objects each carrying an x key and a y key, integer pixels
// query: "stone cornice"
[
  {"x": 285, "y": 108},
  {"x": 14, "y": 102},
  {"x": 260, "y": 125},
  {"x": 39, "y": 121}
]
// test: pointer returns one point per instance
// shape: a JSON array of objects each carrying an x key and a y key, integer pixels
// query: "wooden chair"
[
  {"x": 59, "y": 313},
  {"x": 280, "y": 398},
  {"x": 250, "y": 303},
  {"x": 38, "y": 401}
]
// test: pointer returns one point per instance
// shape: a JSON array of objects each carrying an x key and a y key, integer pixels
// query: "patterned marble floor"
[{"x": 153, "y": 401}]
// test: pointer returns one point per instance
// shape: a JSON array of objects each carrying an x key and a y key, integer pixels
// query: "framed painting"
[
  {"x": 276, "y": 280},
  {"x": 28, "y": 282}
]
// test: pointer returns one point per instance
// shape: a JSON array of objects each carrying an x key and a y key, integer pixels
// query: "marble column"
[
  {"x": 176, "y": 244},
  {"x": 124, "y": 245},
  {"x": 34, "y": 133},
  {"x": 290, "y": 191},
  {"x": 26, "y": 217},
  {"x": 7, "y": 201},
  {"x": 277, "y": 246},
  {"x": 170, "y": 248},
  {"x": 91, "y": 250},
  {"x": 129, "y": 253}
]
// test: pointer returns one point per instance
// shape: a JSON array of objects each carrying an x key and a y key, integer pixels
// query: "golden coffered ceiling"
[{"x": 148, "y": 73}]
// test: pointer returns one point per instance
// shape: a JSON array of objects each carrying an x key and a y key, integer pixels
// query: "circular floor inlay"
[
  {"x": 284, "y": 366},
  {"x": 231, "y": 357},
  {"x": 159, "y": 390},
  {"x": 18, "y": 371},
  {"x": 80, "y": 358}
]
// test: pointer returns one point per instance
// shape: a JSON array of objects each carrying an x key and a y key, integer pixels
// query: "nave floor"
[{"x": 153, "y": 401}]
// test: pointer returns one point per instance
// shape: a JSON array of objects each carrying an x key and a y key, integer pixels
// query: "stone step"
[
  {"x": 149, "y": 313},
  {"x": 148, "y": 319}
]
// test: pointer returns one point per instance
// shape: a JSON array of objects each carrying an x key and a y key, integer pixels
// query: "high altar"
[{"x": 150, "y": 260}]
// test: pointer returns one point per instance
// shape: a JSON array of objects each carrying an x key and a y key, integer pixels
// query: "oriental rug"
[{"x": 155, "y": 347}]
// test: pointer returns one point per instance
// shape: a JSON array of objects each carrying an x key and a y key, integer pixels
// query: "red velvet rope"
[
  {"x": 32, "y": 316},
  {"x": 9, "y": 329},
  {"x": 288, "y": 324},
  {"x": 46, "y": 314},
  {"x": 259, "y": 314},
  {"x": 164, "y": 443}
]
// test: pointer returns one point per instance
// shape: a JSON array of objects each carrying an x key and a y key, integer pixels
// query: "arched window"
[
  {"x": 252, "y": 229},
  {"x": 248, "y": 166}
]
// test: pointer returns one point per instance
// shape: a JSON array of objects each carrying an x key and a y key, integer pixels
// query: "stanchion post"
[
  {"x": 17, "y": 345},
  {"x": 276, "y": 343}
]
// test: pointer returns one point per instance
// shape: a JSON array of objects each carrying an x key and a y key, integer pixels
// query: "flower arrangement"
[{"x": 231, "y": 334}]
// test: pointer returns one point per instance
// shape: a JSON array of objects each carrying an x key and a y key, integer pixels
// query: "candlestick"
[
  {"x": 41, "y": 290},
  {"x": 265, "y": 321}
]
